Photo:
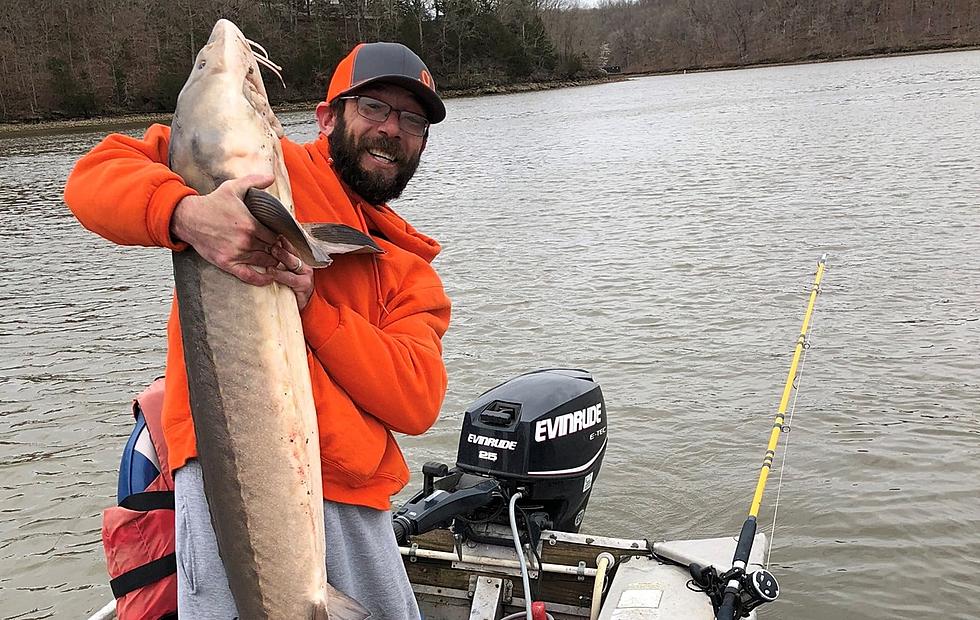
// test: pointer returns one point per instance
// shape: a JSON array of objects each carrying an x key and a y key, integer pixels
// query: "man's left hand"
[{"x": 292, "y": 271}]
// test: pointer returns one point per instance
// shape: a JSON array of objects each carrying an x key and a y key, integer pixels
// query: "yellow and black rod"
[{"x": 734, "y": 589}]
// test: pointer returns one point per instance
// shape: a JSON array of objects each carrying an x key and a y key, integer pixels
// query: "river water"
[{"x": 660, "y": 232}]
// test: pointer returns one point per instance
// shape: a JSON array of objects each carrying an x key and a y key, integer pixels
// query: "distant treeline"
[
  {"x": 672, "y": 35},
  {"x": 76, "y": 58}
]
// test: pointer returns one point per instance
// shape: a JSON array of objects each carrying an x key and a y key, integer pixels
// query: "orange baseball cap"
[{"x": 391, "y": 63}]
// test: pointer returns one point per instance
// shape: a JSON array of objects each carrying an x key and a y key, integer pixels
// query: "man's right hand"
[{"x": 219, "y": 228}]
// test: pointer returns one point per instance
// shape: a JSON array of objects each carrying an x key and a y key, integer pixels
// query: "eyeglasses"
[{"x": 378, "y": 111}]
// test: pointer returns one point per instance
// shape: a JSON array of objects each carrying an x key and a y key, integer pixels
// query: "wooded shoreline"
[
  {"x": 74, "y": 59},
  {"x": 130, "y": 121},
  {"x": 818, "y": 59}
]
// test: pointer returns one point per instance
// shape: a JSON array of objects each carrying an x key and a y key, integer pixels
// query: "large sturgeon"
[{"x": 250, "y": 391}]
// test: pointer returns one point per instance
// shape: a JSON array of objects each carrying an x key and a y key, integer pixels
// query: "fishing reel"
[{"x": 735, "y": 593}]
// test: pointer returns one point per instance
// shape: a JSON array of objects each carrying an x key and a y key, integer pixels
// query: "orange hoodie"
[{"x": 373, "y": 326}]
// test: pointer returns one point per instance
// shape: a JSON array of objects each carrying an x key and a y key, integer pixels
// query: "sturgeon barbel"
[{"x": 246, "y": 358}]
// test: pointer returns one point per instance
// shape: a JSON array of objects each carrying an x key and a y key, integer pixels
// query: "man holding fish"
[{"x": 372, "y": 323}]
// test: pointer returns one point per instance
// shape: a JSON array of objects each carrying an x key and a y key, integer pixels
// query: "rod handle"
[
  {"x": 727, "y": 609},
  {"x": 745, "y": 539}
]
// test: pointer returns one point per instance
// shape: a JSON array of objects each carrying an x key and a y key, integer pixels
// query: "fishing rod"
[{"x": 735, "y": 593}]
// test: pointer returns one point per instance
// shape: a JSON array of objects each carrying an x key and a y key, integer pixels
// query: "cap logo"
[{"x": 426, "y": 78}]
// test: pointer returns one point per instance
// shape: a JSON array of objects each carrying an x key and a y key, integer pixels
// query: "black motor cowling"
[{"x": 543, "y": 432}]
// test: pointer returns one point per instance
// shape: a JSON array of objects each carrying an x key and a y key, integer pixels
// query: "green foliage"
[
  {"x": 571, "y": 66},
  {"x": 72, "y": 97},
  {"x": 161, "y": 95}
]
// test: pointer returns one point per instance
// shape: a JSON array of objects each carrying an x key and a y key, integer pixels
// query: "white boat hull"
[{"x": 648, "y": 582}]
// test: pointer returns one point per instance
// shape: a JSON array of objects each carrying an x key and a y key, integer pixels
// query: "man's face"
[{"x": 376, "y": 159}]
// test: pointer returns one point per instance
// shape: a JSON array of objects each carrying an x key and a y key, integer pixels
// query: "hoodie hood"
[{"x": 382, "y": 219}]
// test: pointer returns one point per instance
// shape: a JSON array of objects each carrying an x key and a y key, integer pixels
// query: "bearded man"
[{"x": 373, "y": 322}]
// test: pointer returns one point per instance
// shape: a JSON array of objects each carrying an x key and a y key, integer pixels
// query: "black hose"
[{"x": 400, "y": 532}]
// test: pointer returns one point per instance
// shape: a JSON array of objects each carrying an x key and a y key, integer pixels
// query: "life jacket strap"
[
  {"x": 143, "y": 575},
  {"x": 149, "y": 500}
]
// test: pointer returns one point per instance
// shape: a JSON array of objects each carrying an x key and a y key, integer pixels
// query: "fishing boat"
[
  {"x": 496, "y": 537},
  {"x": 637, "y": 579},
  {"x": 504, "y": 521}
]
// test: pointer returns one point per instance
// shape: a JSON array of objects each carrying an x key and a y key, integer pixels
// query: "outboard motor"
[{"x": 542, "y": 434}]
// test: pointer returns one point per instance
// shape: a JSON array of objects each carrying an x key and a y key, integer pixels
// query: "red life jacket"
[{"x": 138, "y": 535}]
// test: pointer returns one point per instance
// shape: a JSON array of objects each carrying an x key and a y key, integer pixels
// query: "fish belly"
[{"x": 255, "y": 423}]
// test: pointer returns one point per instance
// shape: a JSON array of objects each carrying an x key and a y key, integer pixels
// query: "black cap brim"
[{"x": 435, "y": 109}]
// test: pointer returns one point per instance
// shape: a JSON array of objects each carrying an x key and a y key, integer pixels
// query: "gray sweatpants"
[{"x": 362, "y": 557}]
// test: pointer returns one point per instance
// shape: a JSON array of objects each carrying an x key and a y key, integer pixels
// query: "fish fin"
[
  {"x": 272, "y": 214},
  {"x": 314, "y": 242},
  {"x": 339, "y": 239},
  {"x": 339, "y": 606}
]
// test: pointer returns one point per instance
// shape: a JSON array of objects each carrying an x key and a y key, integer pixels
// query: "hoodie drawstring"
[{"x": 374, "y": 262}]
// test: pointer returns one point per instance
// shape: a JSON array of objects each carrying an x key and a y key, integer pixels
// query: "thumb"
[{"x": 242, "y": 184}]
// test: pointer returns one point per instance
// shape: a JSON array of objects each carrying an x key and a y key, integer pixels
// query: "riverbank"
[
  {"x": 804, "y": 61},
  {"x": 130, "y": 121}
]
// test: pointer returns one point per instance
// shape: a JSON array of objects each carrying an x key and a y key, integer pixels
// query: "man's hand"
[
  {"x": 219, "y": 228},
  {"x": 293, "y": 272}
]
